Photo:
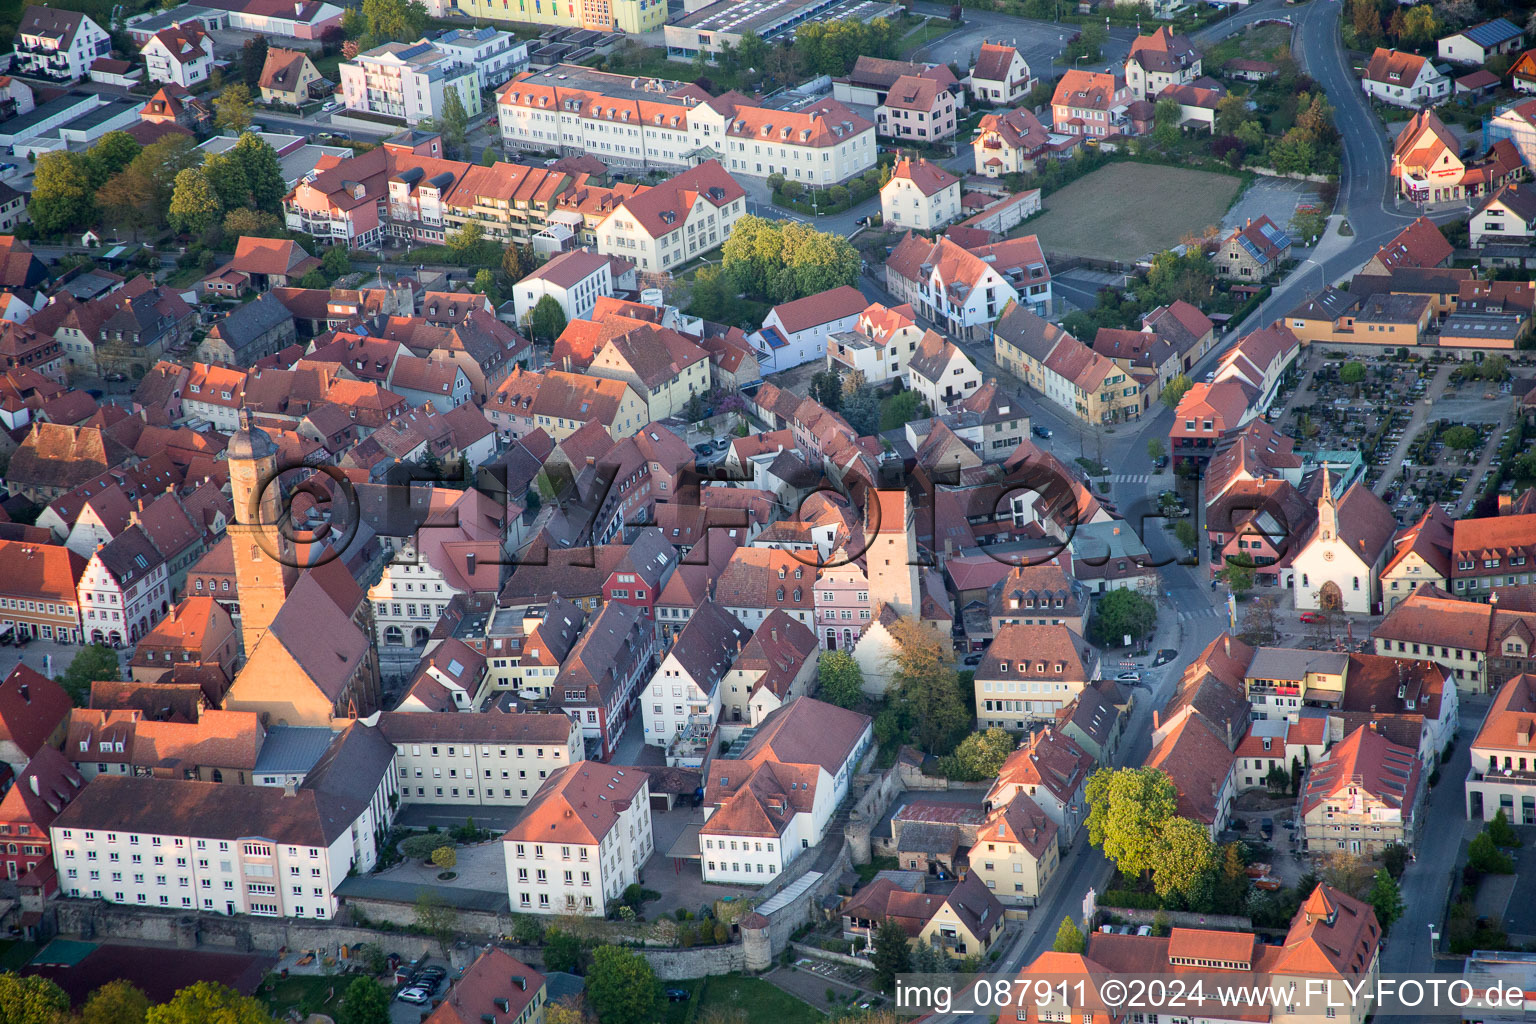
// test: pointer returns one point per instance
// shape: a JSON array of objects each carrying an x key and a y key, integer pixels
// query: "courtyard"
[{"x": 1107, "y": 214}]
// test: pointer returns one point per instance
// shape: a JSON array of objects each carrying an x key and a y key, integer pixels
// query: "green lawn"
[
  {"x": 306, "y": 991},
  {"x": 15, "y": 955},
  {"x": 924, "y": 34},
  {"x": 764, "y": 1002},
  {"x": 876, "y": 864},
  {"x": 677, "y": 1013}
]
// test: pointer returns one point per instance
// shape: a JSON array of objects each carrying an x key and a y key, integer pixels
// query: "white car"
[
  {"x": 1128, "y": 677},
  {"x": 414, "y": 994}
]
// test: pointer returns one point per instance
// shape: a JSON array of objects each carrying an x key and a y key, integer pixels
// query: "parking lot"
[{"x": 1275, "y": 198}]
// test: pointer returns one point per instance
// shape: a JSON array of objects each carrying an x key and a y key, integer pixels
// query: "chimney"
[
  {"x": 26, "y": 693},
  {"x": 469, "y": 563}
]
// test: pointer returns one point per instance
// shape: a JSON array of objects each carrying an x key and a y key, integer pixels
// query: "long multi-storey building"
[
  {"x": 406, "y": 190},
  {"x": 654, "y": 123},
  {"x": 630, "y": 16}
]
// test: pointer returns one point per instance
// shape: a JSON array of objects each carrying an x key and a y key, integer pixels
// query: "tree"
[
  {"x": 1420, "y": 25},
  {"x": 1155, "y": 448},
  {"x": 891, "y": 955},
  {"x": 902, "y": 409},
  {"x": 127, "y": 200},
  {"x": 245, "y": 222},
  {"x": 562, "y": 950},
  {"x": 233, "y": 108},
  {"x": 314, "y": 279},
  {"x": 1238, "y": 574},
  {"x": 365, "y": 1002},
  {"x": 1351, "y": 372},
  {"x": 63, "y": 196},
  {"x": 154, "y": 170},
  {"x": 827, "y": 388},
  {"x": 453, "y": 122},
  {"x": 253, "y": 57},
  {"x": 335, "y": 262},
  {"x": 1069, "y": 937},
  {"x": 570, "y": 1010},
  {"x": 516, "y": 263},
  {"x": 1174, "y": 390},
  {"x": 485, "y": 284},
  {"x": 1122, "y": 613},
  {"x": 1386, "y": 898},
  {"x": 1277, "y": 780},
  {"x": 194, "y": 206},
  {"x": 1349, "y": 873},
  {"x": 116, "y": 1002},
  {"x": 1127, "y": 809},
  {"x": 621, "y": 987},
  {"x": 436, "y": 918},
  {"x": 1185, "y": 533},
  {"x": 547, "y": 319},
  {"x": 263, "y": 174},
  {"x": 1460, "y": 437},
  {"x": 445, "y": 858},
  {"x": 397, "y": 21},
  {"x": 1230, "y": 111},
  {"x": 1394, "y": 857},
  {"x": 1165, "y": 121},
  {"x": 1501, "y": 831},
  {"x": 466, "y": 240},
  {"x": 926, "y": 685},
  {"x": 782, "y": 261},
  {"x": 111, "y": 153},
  {"x": 91, "y": 663},
  {"x": 862, "y": 411},
  {"x": 839, "y": 680},
  {"x": 31, "y": 1000},
  {"x": 979, "y": 756},
  {"x": 1366, "y": 21},
  {"x": 206, "y": 1002},
  {"x": 751, "y": 50},
  {"x": 1484, "y": 855},
  {"x": 1183, "y": 857},
  {"x": 226, "y": 176}
]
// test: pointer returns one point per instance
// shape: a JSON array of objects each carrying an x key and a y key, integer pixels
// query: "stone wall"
[{"x": 1180, "y": 919}]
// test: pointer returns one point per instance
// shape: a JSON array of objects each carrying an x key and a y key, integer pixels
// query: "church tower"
[
  {"x": 261, "y": 580},
  {"x": 890, "y": 561},
  {"x": 1327, "y": 511}
]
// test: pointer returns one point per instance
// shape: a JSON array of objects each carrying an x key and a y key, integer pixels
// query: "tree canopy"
[
  {"x": 365, "y": 1002},
  {"x": 785, "y": 260},
  {"x": 979, "y": 756},
  {"x": 1122, "y": 613},
  {"x": 31, "y": 1000},
  {"x": 926, "y": 688},
  {"x": 91, "y": 663},
  {"x": 891, "y": 954},
  {"x": 207, "y": 1002},
  {"x": 116, "y": 1002},
  {"x": 832, "y": 47},
  {"x": 839, "y": 679},
  {"x": 233, "y": 107},
  {"x": 1069, "y": 938},
  {"x": 547, "y": 319},
  {"x": 621, "y": 987},
  {"x": 63, "y": 197}
]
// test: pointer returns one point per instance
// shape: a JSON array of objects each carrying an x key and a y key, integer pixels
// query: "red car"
[{"x": 1312, "y": 617}]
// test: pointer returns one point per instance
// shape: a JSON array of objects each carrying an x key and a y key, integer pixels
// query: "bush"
[{"x": 420, "y": 847}]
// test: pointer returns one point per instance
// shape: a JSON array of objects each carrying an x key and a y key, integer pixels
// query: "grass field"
[
  {"x": 1126, "y": 210},
  {"x": 306, "y": 991},
  {"x": 763, "y": 1002}
]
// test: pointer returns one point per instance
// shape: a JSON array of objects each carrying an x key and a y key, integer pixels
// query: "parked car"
[
  {"x": 677, "y": 995},
  {"x": 1267, "y": 828},
  {"x": 1311, "y": 616},
  {"x": 7, "y": 168},
  {"x": 1129, "y": 677},
  {"x": 973, "y": 659},
  {"x": 1161, "y": 462},
  {"x": 722, "y": 443},
  {"x": 414, "y": 995},
  {"x": 1044, "y": 432},
  {"x": 703, "y": 450}
]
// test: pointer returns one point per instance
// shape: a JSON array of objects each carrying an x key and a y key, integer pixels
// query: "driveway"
[
  {"x": 1275, "y": 198},
  {"x": 481, "y": 867},
  {"x": 680, "y": 882}
]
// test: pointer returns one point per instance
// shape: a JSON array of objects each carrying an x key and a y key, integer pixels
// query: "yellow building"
[
  {"x": 632, "y": 16},
  {"x": 1015, "y": 852},
  {"x": 660, "y": 364}
]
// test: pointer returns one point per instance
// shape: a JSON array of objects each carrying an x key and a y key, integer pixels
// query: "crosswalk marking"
[
  {"x": 1127, "y": 478},
  {"x": 1212, "y": 611}
]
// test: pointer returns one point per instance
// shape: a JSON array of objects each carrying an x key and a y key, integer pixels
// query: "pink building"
[{"x": 842, "y": 604}]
